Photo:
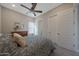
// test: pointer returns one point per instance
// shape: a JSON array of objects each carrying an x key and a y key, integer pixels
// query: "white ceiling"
[{"x": 40, "y": 6}]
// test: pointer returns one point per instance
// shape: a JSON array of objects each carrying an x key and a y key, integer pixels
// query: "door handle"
[
  {"x": 58, "y": 33},
  {"x": 49, "y": 32}
]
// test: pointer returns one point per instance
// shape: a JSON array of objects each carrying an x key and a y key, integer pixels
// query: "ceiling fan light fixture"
[
  {"x": 13, "y": 5},
  {"x": 32, "y": 9}
]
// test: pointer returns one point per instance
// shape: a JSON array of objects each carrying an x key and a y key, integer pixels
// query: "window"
[{"x": 32, "y": 28}]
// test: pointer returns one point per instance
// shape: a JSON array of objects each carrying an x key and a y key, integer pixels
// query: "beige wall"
[
  {"x": 9, "y": 17},
  {"x": 0, "y": 19}
]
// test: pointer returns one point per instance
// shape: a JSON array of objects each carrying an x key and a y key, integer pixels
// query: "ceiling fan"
[{"x": 32, "y": 9}]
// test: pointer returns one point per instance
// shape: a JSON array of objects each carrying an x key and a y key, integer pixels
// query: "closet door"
[
  {"x": 52, "y": 28},
  {"x": 65, "y": 28}
]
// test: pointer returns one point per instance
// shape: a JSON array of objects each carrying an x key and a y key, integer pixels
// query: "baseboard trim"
[
  {"x": 77, "y": 51},
  {"x": 67, "y": 49}
]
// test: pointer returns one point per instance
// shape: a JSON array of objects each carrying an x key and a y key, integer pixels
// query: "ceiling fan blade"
[
  {"x": 33, "y": 6},
  {"x": 38, "y": 11},
  {"x": 34, "y": 14},
  {"x": 25, "y": 6}
]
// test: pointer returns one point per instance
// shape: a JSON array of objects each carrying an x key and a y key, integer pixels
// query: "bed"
[{"x": 37, "y": 46}]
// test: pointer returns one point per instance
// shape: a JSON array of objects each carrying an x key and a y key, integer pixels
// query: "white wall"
[
  {"x": 44, "y": 18},
  {"x": 48, "y": 25},
  {"x": 0, "y": 18},
  {"x": 9, "y": 17}
]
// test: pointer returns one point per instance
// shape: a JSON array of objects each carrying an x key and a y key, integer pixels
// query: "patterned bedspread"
[{"x": 37, "y": 46}]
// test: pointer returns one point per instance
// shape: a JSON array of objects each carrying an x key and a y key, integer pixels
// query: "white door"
[
  {"x": 52, "y": 28},
  {"x": 65, "y": 29}
]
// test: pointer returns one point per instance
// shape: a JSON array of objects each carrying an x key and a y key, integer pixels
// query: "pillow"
[{"x": 19, "y": 40}]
